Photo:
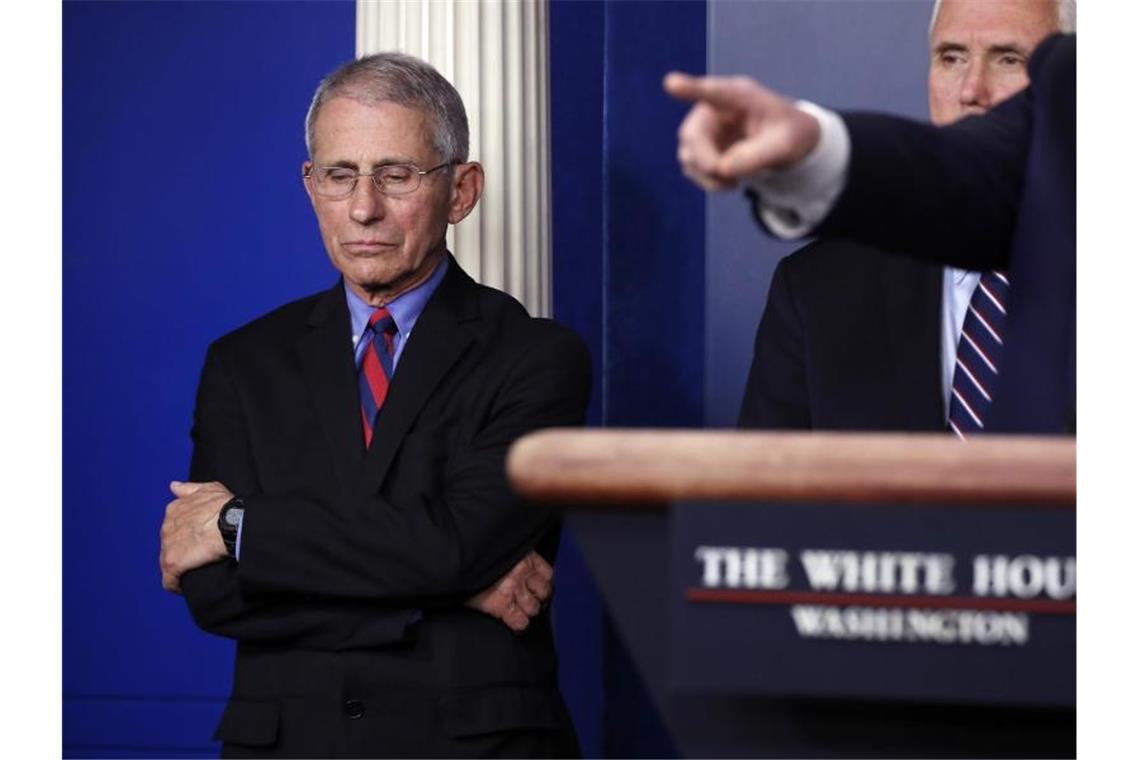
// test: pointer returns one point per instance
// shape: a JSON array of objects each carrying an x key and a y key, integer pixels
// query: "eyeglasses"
[{"x": 338, "y": 182}]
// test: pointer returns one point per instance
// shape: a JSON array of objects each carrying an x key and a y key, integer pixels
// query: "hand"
[
  {"x": 519, "y": 595},
  {"x": 190, "y": 535},
  {"x": 737, "y": 128}
]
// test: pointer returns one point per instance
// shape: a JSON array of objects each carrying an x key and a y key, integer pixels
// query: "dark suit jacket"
[
  {"x": 991, "y": 192},
  {"x": 849, "y": 340},
  {"x": 347, "y": 601}
]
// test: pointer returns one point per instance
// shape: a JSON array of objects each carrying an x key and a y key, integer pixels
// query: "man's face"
[
  {"x": 978, "y": 52},
  {"x": 382, "y": 245}
]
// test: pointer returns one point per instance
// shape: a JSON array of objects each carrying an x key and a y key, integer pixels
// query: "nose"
[
  {"x": 975, "y": 92},
  {"x": 367, "y": 202}
]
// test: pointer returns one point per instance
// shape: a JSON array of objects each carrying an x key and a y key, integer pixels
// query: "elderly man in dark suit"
[
  {"x": 857, "y": 338},
  {"x": 996, "y": 192},
  {"x": 349, "y": 521}
]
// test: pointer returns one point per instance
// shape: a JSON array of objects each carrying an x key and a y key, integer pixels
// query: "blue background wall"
[
  {"x": 628, "y": 271},
  {"x": 184, "y": 216}
]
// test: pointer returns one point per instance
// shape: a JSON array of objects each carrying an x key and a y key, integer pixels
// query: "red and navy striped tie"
[
  {"x": 375, "y": 368},
  {"x": 979, "y": 355}
]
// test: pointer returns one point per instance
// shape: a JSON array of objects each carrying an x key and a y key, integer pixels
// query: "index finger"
[
  {"x": 681, "y": 85},
  {"x": 723, "y": 92}
]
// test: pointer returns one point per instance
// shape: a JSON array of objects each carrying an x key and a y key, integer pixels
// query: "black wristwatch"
[{"x": 228, "y": 521}]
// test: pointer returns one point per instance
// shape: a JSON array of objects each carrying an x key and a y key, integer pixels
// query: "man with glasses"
[{"x": 348, "y": 520}]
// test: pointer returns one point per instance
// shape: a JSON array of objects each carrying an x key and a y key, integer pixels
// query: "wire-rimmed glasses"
[{"x": 336, "y": 182}]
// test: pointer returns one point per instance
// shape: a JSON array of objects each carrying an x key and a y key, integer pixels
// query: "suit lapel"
[
  {"x": 325, "y": 352},
  {"x": 912, "y": 296},
  {"x": 437, "y": 341}
]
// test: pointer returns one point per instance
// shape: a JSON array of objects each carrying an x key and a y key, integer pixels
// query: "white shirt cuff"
[{"x": 792, "y": 201}]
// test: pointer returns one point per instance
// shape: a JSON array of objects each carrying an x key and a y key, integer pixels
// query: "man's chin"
[{"x": 378, "y": 279}]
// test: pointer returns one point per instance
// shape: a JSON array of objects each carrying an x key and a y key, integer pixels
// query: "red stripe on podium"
[{"x": 742, "y": 596}]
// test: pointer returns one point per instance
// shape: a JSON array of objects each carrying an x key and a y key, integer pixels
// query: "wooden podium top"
[{"x": 647, "y": 466}]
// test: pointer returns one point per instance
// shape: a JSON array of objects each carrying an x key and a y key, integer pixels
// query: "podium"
[{"x": 790, "y": 594}]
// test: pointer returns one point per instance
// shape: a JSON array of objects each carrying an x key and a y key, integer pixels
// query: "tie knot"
[{"x": 381, "y": 322}]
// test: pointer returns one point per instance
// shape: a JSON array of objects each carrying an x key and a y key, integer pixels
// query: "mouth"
[{"x": 368, "y": 246}]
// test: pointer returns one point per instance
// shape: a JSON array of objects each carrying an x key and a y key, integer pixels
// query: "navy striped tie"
[
  {"x": 375, "y": 368},
  {"x": 979, "y": 355}
]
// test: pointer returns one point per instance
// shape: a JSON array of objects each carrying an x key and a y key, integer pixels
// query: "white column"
[{"x": 495, "y": 53}]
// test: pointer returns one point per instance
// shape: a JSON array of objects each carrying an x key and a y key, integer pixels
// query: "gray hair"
[
  {"x": 1066, "y": 15},
  {"x": 407, "y": 81}
]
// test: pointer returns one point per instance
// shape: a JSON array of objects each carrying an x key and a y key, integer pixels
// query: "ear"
[
  {"x": 306, "y": 167},
  {"x": 466, "y": 189}
]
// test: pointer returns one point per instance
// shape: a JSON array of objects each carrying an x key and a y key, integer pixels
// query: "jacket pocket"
[
  {"x": 252, "y": 724},
  {"x": 498, "y": 708}
]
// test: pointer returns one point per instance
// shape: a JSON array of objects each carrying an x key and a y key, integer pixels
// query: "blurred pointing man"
[{"x": 854, "y": 338}]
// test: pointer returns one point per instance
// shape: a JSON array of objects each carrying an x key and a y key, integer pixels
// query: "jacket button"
[{"x": 354, "y": 709}]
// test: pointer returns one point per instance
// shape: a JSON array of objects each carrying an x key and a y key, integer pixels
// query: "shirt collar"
[{"x": 404, "y": 308}]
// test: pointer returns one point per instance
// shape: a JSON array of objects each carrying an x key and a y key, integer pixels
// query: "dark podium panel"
[
  {"x": 930, "y": 603},
  {"x": 783, "y": 628}
]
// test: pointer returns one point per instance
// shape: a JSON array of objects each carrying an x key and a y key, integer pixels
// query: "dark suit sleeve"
[
  {"x": 469, "y": 534},
  {"x": 953, "y": 194},
  {"x": 212, "y": 592},
  {"x": 776, "y": 396},
  {"x": 949, "y": 195}
]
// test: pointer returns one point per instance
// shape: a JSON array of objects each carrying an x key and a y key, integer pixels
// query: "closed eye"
[
  {"x": 951, "y": 57},
  {"x": 1010, "y": 60},
  {"x": 396, "y": 175}
]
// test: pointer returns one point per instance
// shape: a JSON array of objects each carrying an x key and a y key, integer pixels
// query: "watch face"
[{"x": 233, "y": 516}]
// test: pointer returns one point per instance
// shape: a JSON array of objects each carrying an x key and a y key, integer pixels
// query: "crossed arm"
[
  {"x": 375, "y": 569},
  {"x": 190, "y": 539}
]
